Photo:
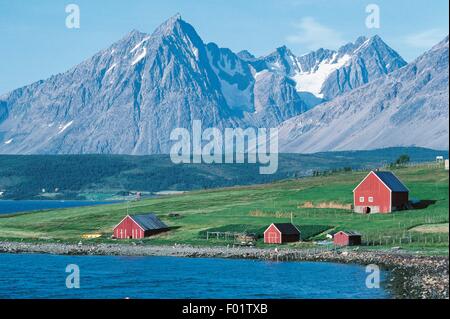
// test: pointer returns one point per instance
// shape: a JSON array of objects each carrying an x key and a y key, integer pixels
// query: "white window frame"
[
  {"x": 370, "y": 199},
  {"x": 361, "y": 199}
]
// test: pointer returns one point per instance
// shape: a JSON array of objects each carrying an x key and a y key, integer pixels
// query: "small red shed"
[
  {"x": 347, "y": 238},
  {"x": 139, "y": 226},
  {"x": 279, "y": 233},
  {"x": 380, "y": 192}
]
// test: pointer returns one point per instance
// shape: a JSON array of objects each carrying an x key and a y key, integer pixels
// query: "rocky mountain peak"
[
  {"x": 408, "y": 107},
  {"x": 246, "y": 55},
  {"x": 127, "y": 98},
  {"x": 170, "y": 24}
]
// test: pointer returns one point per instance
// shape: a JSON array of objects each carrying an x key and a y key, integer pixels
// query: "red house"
[
  {"x": 346, "y": 238},
  {"x": 281, "y": 233},
  {"x": 380, "y": 192},
  {"x": 139, "y": 226}
]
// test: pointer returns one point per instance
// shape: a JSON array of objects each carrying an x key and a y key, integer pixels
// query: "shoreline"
[{"x": 410, "y": 276}]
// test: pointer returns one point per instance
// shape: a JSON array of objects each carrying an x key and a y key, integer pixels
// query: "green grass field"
[{"x": 255, "y": 207}]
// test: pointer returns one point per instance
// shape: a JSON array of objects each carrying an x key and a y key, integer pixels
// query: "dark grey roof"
[
  {"x": 350, "y": 233},
  {"x": 392, "y": 181},
  {"x": 149, "y": 221},
  {"x": 287, "y": 228}
]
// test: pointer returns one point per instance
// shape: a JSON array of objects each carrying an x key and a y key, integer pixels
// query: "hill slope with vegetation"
[
  {"x": 319, "y": 203},
  {"x": 106, "y": 176}
]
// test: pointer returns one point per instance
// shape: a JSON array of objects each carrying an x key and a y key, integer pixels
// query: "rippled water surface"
[{"x": 44, "y": 276}]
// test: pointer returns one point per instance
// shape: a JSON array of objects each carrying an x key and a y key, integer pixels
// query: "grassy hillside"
[
  {"x": 103, "y": 176},
  {"x": 255, "y": 207}
]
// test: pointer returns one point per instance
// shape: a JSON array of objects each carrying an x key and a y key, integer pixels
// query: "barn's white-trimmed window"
[
  {"x": 370, "y": 199},
  {"x": 361, "y": 199}
]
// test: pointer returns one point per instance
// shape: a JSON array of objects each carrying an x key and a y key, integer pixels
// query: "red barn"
[
  {"x": 281, "y": 233},
  {"x": 380, "y": 192},
  {"x": 139, "y": 226},
  {"x": 346, "y": 238}
]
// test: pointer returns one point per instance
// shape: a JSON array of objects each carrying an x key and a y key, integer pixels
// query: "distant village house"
[
  {"x": 347, "y": 238},
  {"x": 380, "y": 192},
  {"x": 279, "y": 233}
]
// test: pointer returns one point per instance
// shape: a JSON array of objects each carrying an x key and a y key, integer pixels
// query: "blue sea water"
[
  {"x": 16, "y": 206},
  {"x": 44, "y": 276}
]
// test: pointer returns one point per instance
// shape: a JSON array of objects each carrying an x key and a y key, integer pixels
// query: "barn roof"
[
  {"x": 287, "y": 228},
  {"x": 149, "y": 221},
  {"x": 350, "y": 233},
  {"x": 391, "y": 181}
]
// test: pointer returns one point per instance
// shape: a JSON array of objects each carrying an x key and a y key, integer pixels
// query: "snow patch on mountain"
[
  {"x": 140, "y": 57},
  {"x": 408, "y": 107},
  {"x": 64, "y": 127},
  {"x": 312, "y": 81},
  {"x": 111, "y": 68},
  {"x": 137, "y": 46},
  {"x": 257, "y": 75}
]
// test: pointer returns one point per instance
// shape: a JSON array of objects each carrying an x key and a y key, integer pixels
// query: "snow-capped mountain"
[
  {"x": 408, "y": 107},
  {"x": 127, "y": 98},
  {"x": 130, "y": 96},
  {"x": 325, "y": 74},
  {"x": 359, "y": 64}
]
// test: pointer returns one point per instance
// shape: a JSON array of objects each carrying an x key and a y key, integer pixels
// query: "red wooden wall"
[
  {"x": 373, "y": 187},
  {"x": 128, "y": 229},
  {"x": 272, "y": 235},
  {"x": 340, "y": 239}
]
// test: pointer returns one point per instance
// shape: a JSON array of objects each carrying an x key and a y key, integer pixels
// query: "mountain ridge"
[
  {"x": 408, "y": 107},
  {"x": 127, "y": 98}
]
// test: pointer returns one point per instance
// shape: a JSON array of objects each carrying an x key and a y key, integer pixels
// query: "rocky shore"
[{"x": 411, "y": 276}]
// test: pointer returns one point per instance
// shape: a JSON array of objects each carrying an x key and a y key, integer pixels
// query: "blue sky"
[{"x": 35, "y": 42}]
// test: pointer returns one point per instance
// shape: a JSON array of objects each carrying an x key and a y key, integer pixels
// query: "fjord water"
[{"x": 44, "y": 276}]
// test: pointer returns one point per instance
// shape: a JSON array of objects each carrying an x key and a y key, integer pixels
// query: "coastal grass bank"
[{"x": 320, "y": 205}]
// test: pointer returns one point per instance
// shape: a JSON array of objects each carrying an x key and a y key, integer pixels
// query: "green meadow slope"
[{"x": 318, "y": 205}]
